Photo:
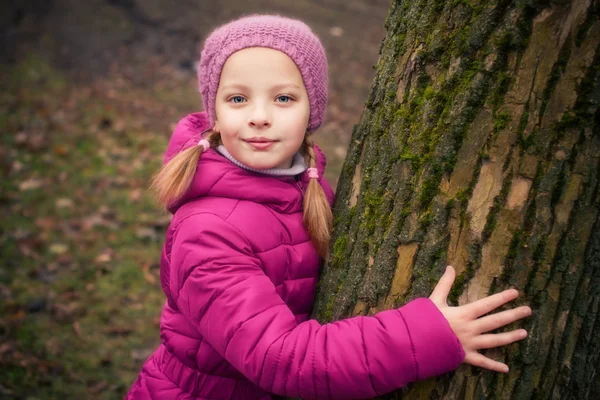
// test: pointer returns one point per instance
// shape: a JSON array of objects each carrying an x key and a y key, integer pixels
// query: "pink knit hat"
[{"x": 290, "y": 36}]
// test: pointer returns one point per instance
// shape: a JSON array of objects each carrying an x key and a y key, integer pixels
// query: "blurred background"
[{"x": 90, "y": 91}]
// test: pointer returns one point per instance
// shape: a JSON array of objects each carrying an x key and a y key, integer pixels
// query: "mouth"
[{"x": 260, "y": 143}]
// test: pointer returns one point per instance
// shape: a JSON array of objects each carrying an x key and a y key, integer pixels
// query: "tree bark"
[{"x": 479, "y": 147}]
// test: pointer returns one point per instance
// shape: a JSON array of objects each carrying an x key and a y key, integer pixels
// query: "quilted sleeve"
[{"x": 219, "y": 285}]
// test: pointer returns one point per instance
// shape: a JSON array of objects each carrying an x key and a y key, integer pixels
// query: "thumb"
[{"x": 440, "y": 293}]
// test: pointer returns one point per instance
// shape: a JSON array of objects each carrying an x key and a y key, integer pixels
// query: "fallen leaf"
[
  {"x": 135, "y": 194},
  {"x": 31, "y": 184},
  {"x": 146, "y": 233},
  {"x": 36, "y": 142},
  {"x": 64, "y": 203},
  {"x": 61, "y": 150},
  {"x": 77, "y": 328},
  {"x": 121, "y": 182},
  {"x": 64, "y": 259},
  {"x": 105, "y": 256},
  {"x": 45, "y": 223},
  {"x": 162, "y": 222},
  {"x": 141, "y": 355},
  {"x": 107, "y": 212},
  {"x": 94, "y": 220},
  {"x": 21, "y": 138},
  {"x": 58, "y": 248},
  {"x": 16, "y": 167},
  {"x": 148, "y": 275}
]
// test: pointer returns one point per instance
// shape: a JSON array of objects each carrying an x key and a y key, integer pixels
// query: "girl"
[{"x": 242, "y": 254}]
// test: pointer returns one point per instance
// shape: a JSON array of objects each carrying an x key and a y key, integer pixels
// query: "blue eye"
[
  {"x": 237, "y": 99},
  {"x": 284, "y": 98}
]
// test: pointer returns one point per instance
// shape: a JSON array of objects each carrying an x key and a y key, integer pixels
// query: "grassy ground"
[{"x": 79, "y": 237}]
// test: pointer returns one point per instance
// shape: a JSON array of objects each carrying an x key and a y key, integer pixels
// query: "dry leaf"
[
  {"x": 58, "y": 248},
  {"x": 151, "y": 279},
  {"x": 16, "y": 167},
  {"x": 45, "y": 223},
  {"x": 146, "y": 233},
  {"x": 31, "y": 184},
  {"x": 64, "y": 203},
  {"x": 105, "y": 256},
  {"x": 77, "y": 328},
  {"x": 36, "y": 142},
  {"x": 135, "y": 194},
  {"x": 21, "y": 138}
]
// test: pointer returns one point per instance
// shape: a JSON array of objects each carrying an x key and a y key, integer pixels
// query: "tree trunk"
[{"x": 479, "y": 147}]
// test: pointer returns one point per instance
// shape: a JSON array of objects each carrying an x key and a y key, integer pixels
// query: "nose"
[{"x": 260, "y": 117}]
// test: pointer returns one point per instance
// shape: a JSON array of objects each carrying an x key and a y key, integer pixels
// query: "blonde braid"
[
  {"x": 318, "y": 218},
  {"x": 174, "y": 178}
]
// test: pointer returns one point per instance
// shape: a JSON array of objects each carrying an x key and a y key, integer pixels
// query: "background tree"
[{"x": 479, "y": 147}]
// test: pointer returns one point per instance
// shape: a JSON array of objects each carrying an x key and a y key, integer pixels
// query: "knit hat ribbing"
[{"x": 290, "y": 36}]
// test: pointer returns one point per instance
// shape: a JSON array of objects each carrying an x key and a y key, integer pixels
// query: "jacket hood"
[{"x": 219, "y": 177}]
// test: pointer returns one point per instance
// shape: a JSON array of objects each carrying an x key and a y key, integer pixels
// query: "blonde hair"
[
  {"x": 318, "y": 218},
  {"x": 174, "y": 178}
]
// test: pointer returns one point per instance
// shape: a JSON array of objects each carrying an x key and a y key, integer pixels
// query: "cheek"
[
  {"x": 297, "y": 117},
  {"x": 227, "y": 136},
  {"x": 229, "y": 126}
]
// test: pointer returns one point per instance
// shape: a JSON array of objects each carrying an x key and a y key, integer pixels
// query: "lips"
[{"x": 260, "y": 143}]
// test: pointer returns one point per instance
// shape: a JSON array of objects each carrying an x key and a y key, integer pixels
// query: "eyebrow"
[{"x": 244, "y": 87}]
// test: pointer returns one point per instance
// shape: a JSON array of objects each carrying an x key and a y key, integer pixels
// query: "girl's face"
[{"x": 262, "y": 108}]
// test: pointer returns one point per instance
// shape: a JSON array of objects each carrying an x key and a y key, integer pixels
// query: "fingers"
[
  {"x": 442, "y": 289},
  {"x": 490, "y": 303},
  {"x": 499, "y": 339},
  {"x": 498, "y": 320},
  {"x": 479, "y": 360}
]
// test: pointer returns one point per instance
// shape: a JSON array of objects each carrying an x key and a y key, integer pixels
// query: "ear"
[{"x": 216, "y": 127}]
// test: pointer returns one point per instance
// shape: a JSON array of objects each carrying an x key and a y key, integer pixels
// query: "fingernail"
[
  {"x": 523, "y": 333},
  {"x": 505, "y": 368}
]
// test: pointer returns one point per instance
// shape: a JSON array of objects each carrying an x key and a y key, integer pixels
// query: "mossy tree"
[{"x": 479, "y": 147}]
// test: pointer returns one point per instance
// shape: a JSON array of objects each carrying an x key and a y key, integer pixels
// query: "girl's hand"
[{"x": 469, "y": 324}]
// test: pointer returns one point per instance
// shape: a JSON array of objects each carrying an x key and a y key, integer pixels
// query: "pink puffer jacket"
[{"x": 239, "y": 273}]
